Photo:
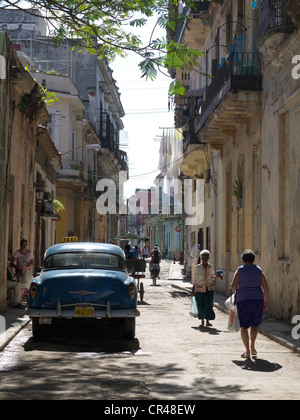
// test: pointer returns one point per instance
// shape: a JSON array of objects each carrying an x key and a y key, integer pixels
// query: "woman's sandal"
[
  {"x": 254, "y": 354},
  {"x": 244, "y": 356}
]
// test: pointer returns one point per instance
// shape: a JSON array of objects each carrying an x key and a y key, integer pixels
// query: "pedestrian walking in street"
[
  {"x": 22, "y": 261},
  {"x": 136, "y": 252},
  {"x": 145, "y": 251},
  {"x": 155, "y": 262},
  {"x": 252, "y": 296},
  {"x": 128, "y": 252},
  {"x": 203, "y": 288}
]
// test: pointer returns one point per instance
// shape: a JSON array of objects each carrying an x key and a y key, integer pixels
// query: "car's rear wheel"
[
  {"x": 38, "y": 330},
  {"x": 129, "y": 328}
]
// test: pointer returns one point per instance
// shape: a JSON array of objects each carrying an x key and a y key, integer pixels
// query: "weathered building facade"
[
  {"x": 245, "y": 121},
  {"x": 78, "y": 144},
  {"x": 279, "y": 43},
  {"x": 28, "y": 159},
  {"x": 101, "y": 108}
]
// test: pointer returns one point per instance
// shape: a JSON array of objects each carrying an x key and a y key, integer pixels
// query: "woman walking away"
[
  {"x": 252, "y": 296},
  {"x": 203, "y": 288}
]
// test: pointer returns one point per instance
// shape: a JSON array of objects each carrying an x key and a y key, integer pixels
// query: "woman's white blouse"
[{"x": 204, "y": 278}]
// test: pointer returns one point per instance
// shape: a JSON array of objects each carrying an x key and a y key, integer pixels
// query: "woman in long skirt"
[{"x": 203, "y": 288}]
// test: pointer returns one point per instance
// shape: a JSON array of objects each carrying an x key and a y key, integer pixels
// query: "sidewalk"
[
  {"x": 279, "y": 331},
  {"x": 15, "y": 320}
]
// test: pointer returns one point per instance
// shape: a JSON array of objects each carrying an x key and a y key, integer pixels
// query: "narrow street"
[
  {"x": 170, "y": 359},
  {"x": 182, "y": 133}
]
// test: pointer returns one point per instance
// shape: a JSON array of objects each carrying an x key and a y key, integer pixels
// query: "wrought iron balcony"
[
  {"x": 273, "y": 16},
  {"x": 199, "y": 7},
  {"x": 239, "y": 72},
  {"x": 123, "y": 160}
]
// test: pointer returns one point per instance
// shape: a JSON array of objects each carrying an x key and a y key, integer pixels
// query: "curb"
[
  {"x": 185, "y": 289},
  {"x": 10, "y": 333}
]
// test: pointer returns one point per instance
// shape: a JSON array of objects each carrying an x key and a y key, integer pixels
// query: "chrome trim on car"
[{"x": 69, "y": 313}]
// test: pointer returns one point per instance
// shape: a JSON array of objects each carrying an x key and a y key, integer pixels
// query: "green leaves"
[
  {"x": 148, "y": 68},
  {"x": 138, "y": 22},
  {"x": 108, "y": 28},
  {"x": 179, "y": 56},
  {"x": 45, "y": 97},
  {"x": 176, "y": 88},
  {"x": 48, "y": 97}
]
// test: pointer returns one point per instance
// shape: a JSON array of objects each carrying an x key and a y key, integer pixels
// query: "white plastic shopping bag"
[
  {"x": 233, "y": 320},
  {"x": 194, "y": 308},
  {"x": 230, "y": 301}
]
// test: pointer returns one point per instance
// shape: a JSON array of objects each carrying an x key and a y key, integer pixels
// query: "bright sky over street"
[{"x": 147, "y": 110}]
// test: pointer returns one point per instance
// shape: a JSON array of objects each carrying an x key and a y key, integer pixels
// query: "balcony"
[
  {"x": 200, "y": 7},
  {"x": 230, "y": 99},
  {"x": 75, "y": 175},
  {"x": 275, "y": 27},
  {"x": 273, "y": 17},
  {"x": 292, "y": 8},
  {"x": 123, "y": 160},
  {"x": 193, "y": 30},
  {"x": 241, "y": 71},
  {"x": 68, "y": 173}
]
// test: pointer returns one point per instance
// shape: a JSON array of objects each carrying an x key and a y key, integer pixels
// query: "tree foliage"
[{"x": 110, "y": 28}]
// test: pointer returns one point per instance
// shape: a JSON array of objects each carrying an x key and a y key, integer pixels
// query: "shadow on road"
[
  {"x": 257, "y": 365},
  {"x": 82, "y": 338},
  {"x": 208, "y": 330}
]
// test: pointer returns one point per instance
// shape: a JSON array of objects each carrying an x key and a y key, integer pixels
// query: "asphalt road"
[{"x": 170, "y": 359}]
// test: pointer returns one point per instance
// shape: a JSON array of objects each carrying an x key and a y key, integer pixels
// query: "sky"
[{"x": 145, "y": 103}]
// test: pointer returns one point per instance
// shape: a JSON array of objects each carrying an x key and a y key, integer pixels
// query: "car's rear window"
[{"x": 84, "y": 260}]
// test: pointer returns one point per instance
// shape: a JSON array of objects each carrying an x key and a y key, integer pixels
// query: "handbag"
[
  {"x": 194, "y": 308},
  {"x": 233, "y": 319}
]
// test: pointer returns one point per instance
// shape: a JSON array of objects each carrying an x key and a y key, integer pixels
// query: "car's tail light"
[
  {"x": 33, "y": 289},
  {"x": 131, "y": 290}
]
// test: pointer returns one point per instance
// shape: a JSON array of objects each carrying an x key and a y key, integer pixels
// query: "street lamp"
[{"x": 96, "y": 147}]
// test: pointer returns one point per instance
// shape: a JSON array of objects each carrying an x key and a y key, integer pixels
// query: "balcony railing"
[
  {"x": 123, "y": 160},
  {"x": 200, "y": 7},
  {"x": 240, "y": 71},
  {"x": 273, "y": 15}
]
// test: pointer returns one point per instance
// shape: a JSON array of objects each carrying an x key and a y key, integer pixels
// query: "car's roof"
[{"x": 84, "y": 247}]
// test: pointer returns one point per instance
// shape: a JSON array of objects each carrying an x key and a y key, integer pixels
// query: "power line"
[
  {"x": 147, "y": 112},
  {"x": 141, "y": 81},
  {"x": 169, "y": 164}
]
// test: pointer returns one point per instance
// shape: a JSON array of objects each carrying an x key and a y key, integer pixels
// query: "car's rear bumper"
[{"x": 70, "y": 313}]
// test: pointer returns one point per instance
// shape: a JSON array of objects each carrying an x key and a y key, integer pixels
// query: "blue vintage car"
[{"x": 83, "y": 280}]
